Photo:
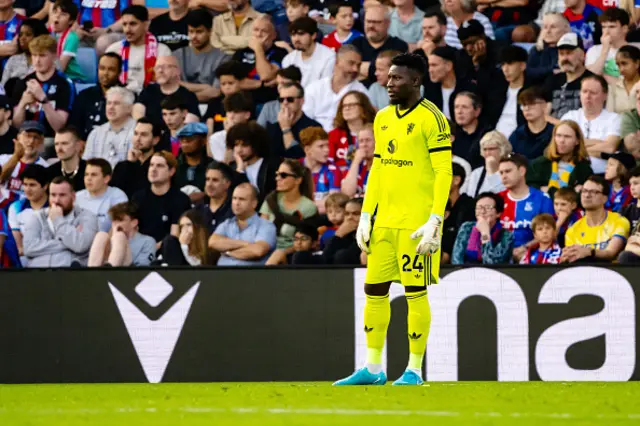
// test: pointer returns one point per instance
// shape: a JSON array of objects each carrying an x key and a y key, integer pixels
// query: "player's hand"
[
  {"x": 363, "y": 234},
  {"x": 429, "y": 235}
]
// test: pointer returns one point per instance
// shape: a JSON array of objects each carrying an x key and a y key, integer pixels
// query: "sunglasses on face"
[
  {"x": 284, "y": 175},
  {"x": 289, "y": 99}
]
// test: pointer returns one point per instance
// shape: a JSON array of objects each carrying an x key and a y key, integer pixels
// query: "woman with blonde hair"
[
  {"x": 493, "y": 146},
  {"x": 543, "y": 57},
  {"x": 565, "y": 162}
]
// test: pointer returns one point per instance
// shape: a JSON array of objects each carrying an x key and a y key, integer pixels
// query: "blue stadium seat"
[
  {"x": 525, "y": 46},
  {"x": 88, "y": 62}
]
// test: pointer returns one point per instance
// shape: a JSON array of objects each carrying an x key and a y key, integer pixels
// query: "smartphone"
[{"x": 87, "y": 25}]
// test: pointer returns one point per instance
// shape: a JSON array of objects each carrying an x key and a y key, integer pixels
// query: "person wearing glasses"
[
  {"x": 284, "y": 135},
  {"x": 600, "y": 235},
  {"x": 288, "y": 206},
  {"x": 167, "y": 83},
  {"x": 484, "y": 241},
  {"x": 112, "y": 139},
  {"x": 324, "y": 95},
  {"x": 531, "y": 138},
  {"x": 601, "y": 128}
]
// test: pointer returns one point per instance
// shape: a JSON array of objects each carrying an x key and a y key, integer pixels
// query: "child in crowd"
[
  {"x": 295, "y": 9},
  {"x": 342, "y": 17},
  {"x": 632, "y": 210},
  {"x": 229, "y": 74},
  {"x": 63, "y": 16},
  {"x": 617, "y": 173},
  {"x": 565, "y": 205},
  {"x": 305, "y": 245},
  {"x": 334, "y": 204},
  {"x": 546, "y": 250}
]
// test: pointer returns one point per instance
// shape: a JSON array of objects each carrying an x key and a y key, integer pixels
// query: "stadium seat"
[
  {"x": 88, "y": 62},
  {"x": 525, "y": 46}
]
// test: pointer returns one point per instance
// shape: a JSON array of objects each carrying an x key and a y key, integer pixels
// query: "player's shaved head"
[
  {"x": 405, "y": 78},
  {"x": 413, "y": 63}
]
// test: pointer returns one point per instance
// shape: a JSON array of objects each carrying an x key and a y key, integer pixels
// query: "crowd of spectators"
[{"x": 221, "y": 132}]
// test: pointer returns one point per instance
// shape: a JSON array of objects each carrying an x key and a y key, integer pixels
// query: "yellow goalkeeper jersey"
[{"x": 411, "y": 172}]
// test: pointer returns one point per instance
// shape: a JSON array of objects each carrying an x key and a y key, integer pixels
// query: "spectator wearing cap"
[
  {"x": 458, "y": 13},
  {"x": 45, "y": 95},
  {"x": 7, "y": 132},
  {"x": 131, "y": 174},
  {"x": 630, "y": 128},
  {"x": 469, "y": 128},
  {"x": 376, "y": 40},
  {"x": 167, "y": 77},
  {"x": 314, "y": 60},
  {"x": 68, "y": 146},
  {"x": 246, "y": 239},
  {"x": 600, "y": 235},
  {"x": 270, "y": 110},
  {"x": 504, "y": 110},
  {"x": 284, "y": 135},
  {"x": 323, "y": 96},
  {"x": 218, "y": 187},
  {"x": 232, "y": 29},
  {"x": 532, "y": 138},
  {"x": 193, "y": 160},
  {"x": 483, "y": 52},
  {"x": 564, "y": 87},
  {"x": 27, "y": 148},
  {"x": 443, "y": 85},
  {"x": 89, "y": 106},
  {"x": 112, "y": 139},
  {"x": 238, "y": 108},
  {"x": 601, "y": 128},
  {"x": 617, "y": 173},
  {"x": 61, "y": 234},
  {"x": 460, "y": 210},
  {"x": 406, "y": 22},
  {"x": 521, "y": 203},
  {"x": 583, "y": 19},
  {"x": 198, "y": 61}
]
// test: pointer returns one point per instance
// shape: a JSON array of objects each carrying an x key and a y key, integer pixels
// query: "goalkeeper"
[{"x": 402, "y": 215}]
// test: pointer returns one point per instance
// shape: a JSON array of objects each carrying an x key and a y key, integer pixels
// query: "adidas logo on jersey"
[{"x": 410, "y": 128}]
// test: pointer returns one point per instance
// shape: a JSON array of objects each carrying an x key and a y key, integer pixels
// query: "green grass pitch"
[{"x": 467, "y": 403}]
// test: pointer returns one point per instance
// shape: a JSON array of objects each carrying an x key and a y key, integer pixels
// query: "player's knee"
[
  {"x": 381, "y": 289},
  {"x": 415, "y": 288}
]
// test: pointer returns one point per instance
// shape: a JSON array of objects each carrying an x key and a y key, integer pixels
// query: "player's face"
[
  {"x": 43, "y": 62},
  {"x": 486, "y": 210},
  {"x": 545, "y": 233},
  {"x": 592, "y": 196},
  {"x": 592, "y": 96},
  {"x": 565, "y": 140},
  {"x": 244, "y": 151},
  {"x": 108, "y": 71},
  {"x": 302, "y": 41},
  {"x": 229, "y": 85},
  {"x": 351, "y": 108},
  {"x": 634, "y": 185},
  {"x": 438, "y": 68},
  {"x": 344, "y": 18},
  {"x": 33, "y": 190},
  {"x": 560, "y": 205},
  {"x": 243, "y": 204},
  {"x": 612, "y": 170},
  {"x": 301, "y": 242},
  {"x": 199, "y": 36},
  {"x": 62, "y": 195},
  {"x": 318, "y": 151},
  {"x": 159, "y": 171},
  {"x": 513, "y": 71},
  {"x": 401, "y": 84},
  {"x": 31, "y": 142},
  {"x": 143, "y": 139},
  {"x": 464, "y": 112},
  {"x": 94, "y": 180},
  {"x": 134, "y": 30},
  {"x": 510, "y": 174},
  {"x": 174, "y": 118},
  {"x": 432, "y": 30},
  {"x": 352, "y": 213},
  {"x": 335, "y": 215},
  {"x": 215, "y": 184}
]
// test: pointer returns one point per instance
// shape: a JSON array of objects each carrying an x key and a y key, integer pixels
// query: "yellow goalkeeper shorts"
[{"x": 393, "y": 258}]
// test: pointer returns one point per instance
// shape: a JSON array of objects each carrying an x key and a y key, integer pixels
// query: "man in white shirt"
[
  {"x": 98, "y": 197},
  {"x": 513, "y": 61},
  {"x": 237, "y": 108},
  {"x": 139, "y": 50},
  {"x": 315, "y": 60},
  {"x": 601, "y": 58},
  {"x": 601, "y": 128},
  {"x": 323, "y": 96},
  {"x": 112, "y": 139}
]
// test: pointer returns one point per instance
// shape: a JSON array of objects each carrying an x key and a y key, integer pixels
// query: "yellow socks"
[
  {"x": 377, "y": 313},
  {"x": 418, "y": 323}
]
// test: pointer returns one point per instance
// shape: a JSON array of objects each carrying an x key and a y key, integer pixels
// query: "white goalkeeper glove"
[
  {"x": 429, "y": 235},
  {"x": 364, "y": 232}
]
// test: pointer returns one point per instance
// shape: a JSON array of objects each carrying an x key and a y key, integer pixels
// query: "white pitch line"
[{"x": 316, "y": 411}]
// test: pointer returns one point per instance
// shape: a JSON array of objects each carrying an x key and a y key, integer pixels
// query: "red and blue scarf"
[{"x": 150, "y": 57}]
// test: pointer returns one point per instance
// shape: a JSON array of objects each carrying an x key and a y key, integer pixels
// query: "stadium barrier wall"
[{"x": 206, "y": 325}]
